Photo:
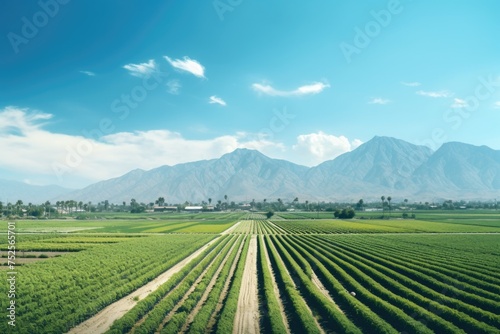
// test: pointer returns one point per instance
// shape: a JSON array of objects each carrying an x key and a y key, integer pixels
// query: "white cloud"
[
  {"x": 21, "y": 120},
  {"x": 90, "y": 74},
  {"x": 497, "y": 105},
  {"x": 411, "y": 84},
  {"x": 459, "y": 103},
  {"x": 314, "y": 88},
  {"x": 315, "y": 148},
  {"x": 143, "y": 69},
  {"x": 189, "y": 65},
  {"x": 74, "y": 161},
  {"x": 379, "y": 100},
  {"x": 43, "y": 157},
  {"x": 173, "y": 87},
  {"x": 435, "y": 94},
  {"x": 217, "y": 100}
]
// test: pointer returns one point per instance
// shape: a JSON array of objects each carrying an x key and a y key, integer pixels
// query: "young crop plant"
[
  {"x": 273, "y": 321},
  {"x": 226, "y": 320}
]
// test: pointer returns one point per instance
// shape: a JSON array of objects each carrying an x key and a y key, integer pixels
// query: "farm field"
[{"x": 439, "y": 274}]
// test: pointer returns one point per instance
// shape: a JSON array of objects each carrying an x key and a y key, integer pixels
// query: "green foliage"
[
  {"x": 344, "y": 213},
  {"x": 163, "y": 300},
  {"x": 199, "y": 324},
  {"x": 85, "y": 282},
  {"x": 269, "y": 214},
  {"x": 272, "y": 319},
  {"x": 226, "y": 320}
]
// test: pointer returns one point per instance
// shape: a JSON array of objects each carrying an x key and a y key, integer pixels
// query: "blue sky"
[{"x": 93, "y": 89}]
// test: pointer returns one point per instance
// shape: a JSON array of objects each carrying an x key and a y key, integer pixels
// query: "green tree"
[
  {"x": 160, "y": 201},
  {"x": 359, "y": 205},
  {"x": 19, "y": 206},
  {"x": 383, "y": 203},
  {"x": 269, "y": 214},
  {"x": 389, "y": 200}
]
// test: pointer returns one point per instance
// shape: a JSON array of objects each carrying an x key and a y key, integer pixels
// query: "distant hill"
[
  {"x": 11, "y": 191},
  {"x": 381, "y": 166}
]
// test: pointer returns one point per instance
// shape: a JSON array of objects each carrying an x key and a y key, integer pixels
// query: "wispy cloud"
[
  {"x": 435, "y": 94},
  {"x": 21, "y": 120},
  {"x": 411, "y": 84},
  {"x": 459, "y": 103},
  {"x": 189, "y": 65},
  {"x": 496, "y": 105},
  {"x": 217, "y": 100},
  {"x": 173, "y": 87},
  {"x": 141, "y": 70},
  {"x": 379, "y": 100},
  {"x": 314, "y": 88},
  {"x": 90, "y": 74}
]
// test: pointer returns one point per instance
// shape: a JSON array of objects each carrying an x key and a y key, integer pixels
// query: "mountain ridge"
[{"x": 381, "y": 166}]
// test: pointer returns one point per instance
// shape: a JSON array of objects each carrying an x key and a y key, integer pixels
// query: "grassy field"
[{"x": 439, "y": 273}]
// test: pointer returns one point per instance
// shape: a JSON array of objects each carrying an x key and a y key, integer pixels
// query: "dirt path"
[
  {"x": 276, "y": 290},
  {"x": 103, "y": 320},
  {"x": 229, "y": 230},
  {"x": 247, "y": 312}
]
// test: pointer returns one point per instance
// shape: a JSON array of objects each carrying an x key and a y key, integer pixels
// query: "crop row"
[
  {"x": 177, "y": 320},
  {"x": 64, "y": 291},
  {"x": 381, "y": 277},
  {"x": 384, "y": 300},
  {"x": 153, "y": 320},
  {"x": 190, "y": 301}
]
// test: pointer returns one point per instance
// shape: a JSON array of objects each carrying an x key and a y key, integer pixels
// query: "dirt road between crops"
[
  {"x": 247, "y": 313},
  {"x": 103, "y": 320},
  {"x": 229, "y": 230}
]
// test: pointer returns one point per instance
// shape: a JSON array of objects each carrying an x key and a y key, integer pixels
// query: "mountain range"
[{"x": 381, "y": 166}]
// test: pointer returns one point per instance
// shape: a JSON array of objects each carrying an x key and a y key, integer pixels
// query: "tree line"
[{"x": 341, "y": 209}]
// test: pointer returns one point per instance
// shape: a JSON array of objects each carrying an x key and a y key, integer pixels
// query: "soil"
[
  {"x": 103, "y": 320},
  {"x": 247, "y": 312}
]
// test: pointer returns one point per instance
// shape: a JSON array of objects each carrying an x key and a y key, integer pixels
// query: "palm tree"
[
  {"x": 47, "y": 208},
  {"x": 209, "y": 201},
  {"x": 19, "y": 204},
  {"x": 307, "y": 205},
  {"x": 389, "y": 200},
  {"x": 383, "y": 202}
]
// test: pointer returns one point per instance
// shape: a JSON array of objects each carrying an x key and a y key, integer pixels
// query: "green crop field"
[{"x": 439, "y": 273}]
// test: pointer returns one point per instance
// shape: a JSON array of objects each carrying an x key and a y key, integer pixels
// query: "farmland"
[{"x": 215, "y": 274}]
